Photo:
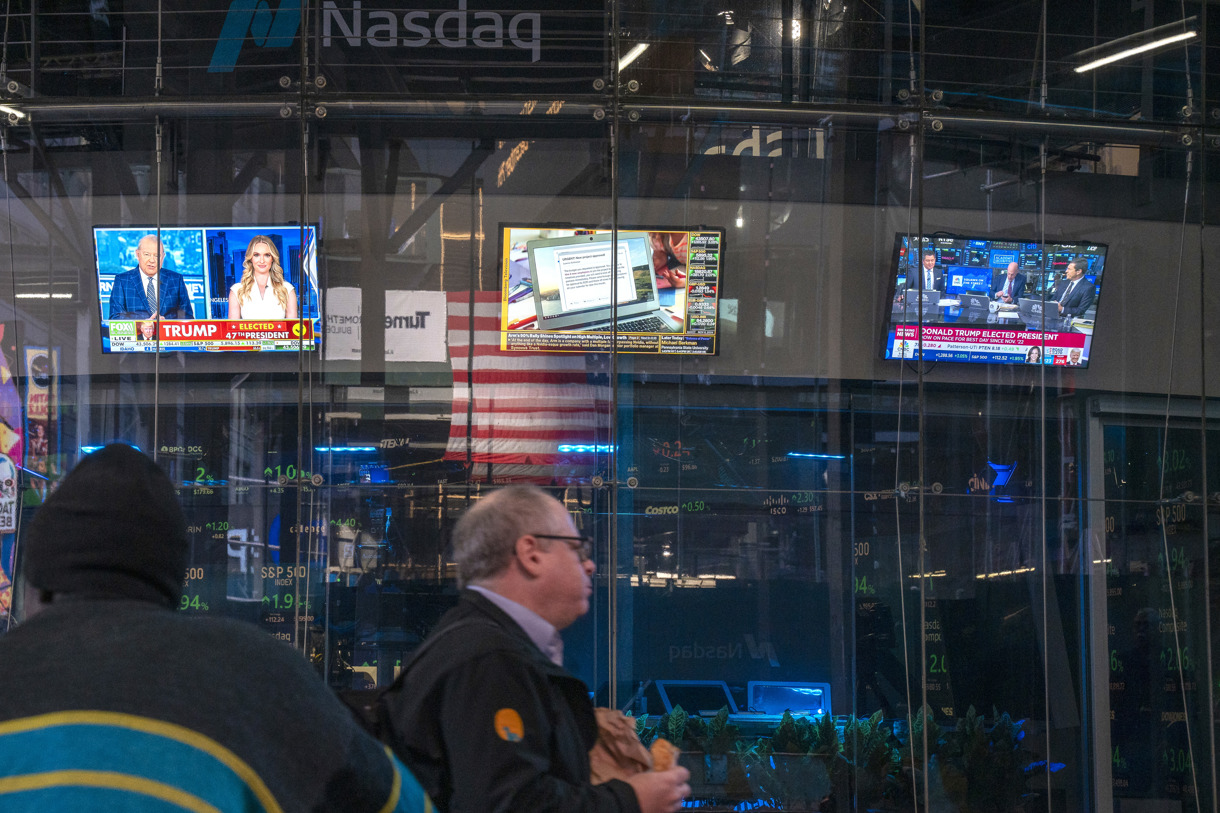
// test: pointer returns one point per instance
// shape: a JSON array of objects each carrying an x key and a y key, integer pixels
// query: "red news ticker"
[{"x": 204, "y": 330}]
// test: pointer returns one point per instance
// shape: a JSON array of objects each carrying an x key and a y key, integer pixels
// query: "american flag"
[{"x": 520, "y": 406}]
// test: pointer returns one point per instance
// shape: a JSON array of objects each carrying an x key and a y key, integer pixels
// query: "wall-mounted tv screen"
[
  {"x": 558, "y": 291},
  {"x": 183, "y": 300},
  {"x": 985, "y": 301}
]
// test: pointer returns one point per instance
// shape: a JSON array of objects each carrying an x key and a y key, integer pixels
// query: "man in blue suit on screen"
[
  {"x": 1075, "y": 294},
  {"x": 149, "y": 289}
]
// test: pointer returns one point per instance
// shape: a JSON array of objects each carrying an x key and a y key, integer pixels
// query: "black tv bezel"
[
  {"x": 505, "y": 226},
  {"x": 314, "y": 346},
  {"x": 892, "y": 285}
]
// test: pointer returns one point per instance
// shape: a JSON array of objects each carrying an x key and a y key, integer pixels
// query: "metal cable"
[
  {"x": 913, "y": 150},
  {"x": 8, "y": 9},
  {"x": 612, "y": 457},
  {"x": 300, "y": 630},
  {"x": 157, "y": 79},
  {"x": 921, "y": 446},
  {"x": 1162, "y": 501},
  {"x": 1043, "y": 568},
  {"x": 1207, "y": 594},
  {"x": 8, "y": 202},
  {"x": 156, "y": 316}
]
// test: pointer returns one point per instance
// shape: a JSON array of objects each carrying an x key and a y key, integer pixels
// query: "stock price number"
[
  {"x": 1177, "y": 557},
  {"x": 202, "y": 476},
  {"x": 284, "y": 601},
  {"x": 1171, "y": 660},
  {"x": 670, "y": 450},
  {"x": 191, "y": 603},
  {"x": 1177, "y": 760},
  {"x": 1177, "y": 460},
  {"x": 694, "y": 506},
  {"x": 290, "y": 471}
]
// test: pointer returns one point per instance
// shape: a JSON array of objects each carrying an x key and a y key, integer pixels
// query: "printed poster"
[
  {"x": 342, "y": 341},
  {"x": 41, "y": 406},
  {"x": 416, "y": 326}
]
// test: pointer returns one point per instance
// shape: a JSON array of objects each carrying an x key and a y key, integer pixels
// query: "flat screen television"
[
  {"x": 558, "y": 292},
  {"x": 194, "y": 315},
  {"x": 957, "y": 295}
]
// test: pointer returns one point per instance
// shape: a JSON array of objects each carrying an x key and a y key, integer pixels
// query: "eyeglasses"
[{"x": 582, "y": 544}]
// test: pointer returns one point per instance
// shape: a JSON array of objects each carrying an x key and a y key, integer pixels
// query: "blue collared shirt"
[{"x": 540, "y": 631}]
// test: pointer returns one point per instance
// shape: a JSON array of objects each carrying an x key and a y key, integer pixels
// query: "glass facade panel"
[{"x": 905, "y": 498}]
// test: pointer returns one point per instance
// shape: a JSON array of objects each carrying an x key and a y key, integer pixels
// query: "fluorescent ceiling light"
[
  {"x": 12, "y": 111},
  {"x": 1139, "y": 49},
  {"x": 632, "y": 55}
]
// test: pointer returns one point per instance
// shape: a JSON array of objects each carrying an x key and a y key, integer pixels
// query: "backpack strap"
[{"x": 368, "y": 705}]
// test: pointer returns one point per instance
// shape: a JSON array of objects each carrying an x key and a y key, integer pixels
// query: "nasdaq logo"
[
  {"x": 254, "y": 21},
  {"x": 267, "y": 29}
]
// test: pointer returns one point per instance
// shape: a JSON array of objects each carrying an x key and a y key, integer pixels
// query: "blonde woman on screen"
[{"x": 263, "y": 293}]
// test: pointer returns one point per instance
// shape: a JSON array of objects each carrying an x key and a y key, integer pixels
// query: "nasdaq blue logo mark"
[{"x": 266, "y": 29}]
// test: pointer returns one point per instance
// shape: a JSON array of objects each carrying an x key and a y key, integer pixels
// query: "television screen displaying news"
[
  {"x": 201, "y": 294},
  {"x": 986, "y": 301},
  {"x": 558, "y": 291}
]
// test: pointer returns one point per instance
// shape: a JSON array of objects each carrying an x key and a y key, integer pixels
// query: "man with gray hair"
[
  {"x": 484, "y": 713},
  {"x": 148, "y": 290}
]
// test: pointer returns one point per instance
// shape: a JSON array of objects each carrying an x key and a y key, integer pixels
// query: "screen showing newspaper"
[
  {"x": 636, "y": 290},
  {"x": 583, "y": 274}
]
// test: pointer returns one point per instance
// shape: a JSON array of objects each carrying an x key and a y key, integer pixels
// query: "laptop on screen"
[
  {"x": 699, "y": 698},
  {"x": 972, "y": 300},
  {"x": 1031, "y": 311},
  {"x": 572, "y": 284},
  {"x": 771, "y": 697}
]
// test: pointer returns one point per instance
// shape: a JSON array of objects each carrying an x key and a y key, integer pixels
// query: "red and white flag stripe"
[{"x": 519, "y": 407}]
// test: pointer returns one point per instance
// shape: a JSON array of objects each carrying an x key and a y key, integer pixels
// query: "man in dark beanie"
[{"x": 111, "y": 700}]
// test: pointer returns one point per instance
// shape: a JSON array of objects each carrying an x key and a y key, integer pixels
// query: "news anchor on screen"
[
  {"x": 1010, "y": 287},
  {"x": 932, "y": 276},
  {"x": 262, "y": 293},
  {"x": 149, "y": 290},
  {"x": 1075, "y": 294}
]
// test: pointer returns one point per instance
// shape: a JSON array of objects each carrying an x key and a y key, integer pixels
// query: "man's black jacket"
[{"x": 488, "y": 724}]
